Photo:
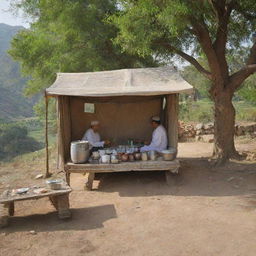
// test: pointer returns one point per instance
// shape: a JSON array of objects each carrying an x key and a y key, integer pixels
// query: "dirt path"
[{"x": 204, "y": 212}]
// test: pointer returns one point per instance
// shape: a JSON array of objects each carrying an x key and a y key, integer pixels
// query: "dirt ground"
[{"x": 205, "y": 211}]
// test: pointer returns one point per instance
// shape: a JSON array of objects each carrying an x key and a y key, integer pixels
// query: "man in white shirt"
[
  {"x": 159, "y": 137},
  {"x": 92, "y": 135}
]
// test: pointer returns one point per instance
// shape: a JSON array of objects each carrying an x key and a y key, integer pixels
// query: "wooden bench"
[
  {"x": 171, "y": 167},
  {"x": 59, "y": 199}
]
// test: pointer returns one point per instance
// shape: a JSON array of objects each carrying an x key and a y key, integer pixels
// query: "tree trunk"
[{"x": 224, "y": 127}]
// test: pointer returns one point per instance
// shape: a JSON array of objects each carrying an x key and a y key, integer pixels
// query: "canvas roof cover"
[{"x": 122, "y": 82}]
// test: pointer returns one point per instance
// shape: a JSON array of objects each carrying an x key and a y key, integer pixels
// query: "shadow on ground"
[
  {"x": 197, "y": 178},
  {"x": 82, "y": 219}
]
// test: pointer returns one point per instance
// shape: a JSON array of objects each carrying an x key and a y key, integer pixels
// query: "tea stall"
[{"x": 123, "y": 101}]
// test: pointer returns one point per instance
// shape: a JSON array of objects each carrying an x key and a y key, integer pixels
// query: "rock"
[
  {"x": 199, "y": 126},
  {"x": 198, "y": 132},
  {"x": 39, "y": 176},
  {"x": 251, "y": 156},
  {"x": 230, "y": 179},
  {"x": 32, "y": 232},
  {"x": 198, "y": 138},
  {"x": 209, "y": 138},
  {"x": 209, "y": 126}
]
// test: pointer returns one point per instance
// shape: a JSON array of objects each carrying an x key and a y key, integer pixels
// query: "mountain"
[{"x": 13, "y": 105}]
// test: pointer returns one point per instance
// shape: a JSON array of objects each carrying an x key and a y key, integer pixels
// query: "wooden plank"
[
  {"x": 124, "y": 167},
  {"x": 28, "y": 196},
  {"x": 172, "y": 102}
]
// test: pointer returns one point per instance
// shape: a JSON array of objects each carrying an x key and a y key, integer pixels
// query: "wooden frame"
[
  {"x": 59, "y": 199},
  {"x": 169, "y": 115}
]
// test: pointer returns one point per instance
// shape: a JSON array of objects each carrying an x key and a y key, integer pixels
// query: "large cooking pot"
[
  {"x": 79, "y": 151},
  {"x": 169, "y": 154}
]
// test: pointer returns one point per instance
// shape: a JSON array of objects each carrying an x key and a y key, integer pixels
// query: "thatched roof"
[{"x": 133, "y": 82}]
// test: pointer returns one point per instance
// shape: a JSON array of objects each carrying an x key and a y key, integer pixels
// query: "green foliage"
[
  {"x": 147, "y": 26},
  {"x": 14, "y": 140},
  {"x": 248, "y": 90},
  {"x": 199, "y": 82},
  {"x": 202, "y": 111},
  {"x": 196, "y": 111},
  {"x": 69, "y": 36},
  {"x": 13, "y": 104}
]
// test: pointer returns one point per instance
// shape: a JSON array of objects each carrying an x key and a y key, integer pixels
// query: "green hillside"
[{"x": 13, "y": 105}]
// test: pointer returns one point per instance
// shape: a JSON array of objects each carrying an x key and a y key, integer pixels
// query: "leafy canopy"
[
  {"x": 190, "y": 28},
  {"x": 68, "y": 36}
]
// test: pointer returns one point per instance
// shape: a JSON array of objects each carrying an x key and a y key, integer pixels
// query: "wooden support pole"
[
  {"x": 63, "y": 206},
  {"x": 172, "y": 119},
  {"x": 47, "y": 173},
  {"x": 6, "y": 210},
  {"x": 89, "y": 183}
]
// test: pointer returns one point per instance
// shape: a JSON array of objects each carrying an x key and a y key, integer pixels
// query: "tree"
[
  {"x": 14, "y": 140},
  {"x": 68, "y": 36},
  {"x": 192, "y": 28}
]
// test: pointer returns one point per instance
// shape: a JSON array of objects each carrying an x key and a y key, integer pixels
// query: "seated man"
[
  {"x": 92, "y": 135},
  {"x": 159, "y": 137}
]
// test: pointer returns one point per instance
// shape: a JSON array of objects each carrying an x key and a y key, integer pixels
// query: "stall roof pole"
[{"x": 47, "y": 173}]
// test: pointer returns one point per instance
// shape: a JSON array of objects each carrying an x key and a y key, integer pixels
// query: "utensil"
[
  {"x": 102, "y": 152},
  {"x": 169, "y": 154},
  {"x": 22, "y": 191},
  {"x": 105, "y": 159},
  {"x": 137, "y": 156},
  {"x": 54, "y": 184},
  {"x": 124, "y": 157},
  {"x": 114, "y": 159},
  {"x": 131, "y": 157},
  {"x": 144, "y": 156},
  {"x": 95, "y": 155},
  {"x": 152, "y": 155},
  {"x": 79, "y": 151}
]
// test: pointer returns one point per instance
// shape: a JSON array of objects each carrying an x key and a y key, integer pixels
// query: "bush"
[
  {"x": 14, "y": 140},
  {"x": 205, "y": 117}
]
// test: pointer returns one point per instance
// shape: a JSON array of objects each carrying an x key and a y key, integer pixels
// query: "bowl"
[
  {"x": 54, "y": 184},
  {"x": 169, "y": 154}
]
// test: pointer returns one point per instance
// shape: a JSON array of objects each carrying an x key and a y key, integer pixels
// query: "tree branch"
[
  {"x": 187, "y": 57},
  {"x": 203, "y": 36},
  {"x": 238, "y": 78},
  {"x": 223, "y": 12},
  {"x": 195, "y": 63},
  {"x": 252, "y": 56}
]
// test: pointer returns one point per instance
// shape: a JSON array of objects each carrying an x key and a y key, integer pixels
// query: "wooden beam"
[
  {"x": 172, "y": 102},
  {"x": 47, "y": 173}
]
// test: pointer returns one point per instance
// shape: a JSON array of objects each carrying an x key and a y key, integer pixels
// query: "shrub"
[{"x": 14, "y": 140}]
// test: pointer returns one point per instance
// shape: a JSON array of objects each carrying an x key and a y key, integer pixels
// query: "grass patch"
[{"x": 202, "y": 111}]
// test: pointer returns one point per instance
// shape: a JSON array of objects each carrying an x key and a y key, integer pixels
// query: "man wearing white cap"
[
  {"x": 92, "y": 135},
  {"x": 159, "y": 137}
]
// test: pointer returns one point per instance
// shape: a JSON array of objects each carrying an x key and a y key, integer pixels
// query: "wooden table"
[
  {"x": 59, "y": 199},
  {"x": 91, "y": 169}
]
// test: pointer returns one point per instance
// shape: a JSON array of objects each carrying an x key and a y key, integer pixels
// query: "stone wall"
[{"x": 204, "y": 132}]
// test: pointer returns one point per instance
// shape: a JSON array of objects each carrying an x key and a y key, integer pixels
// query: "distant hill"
[{"x": 13, "y": 105}]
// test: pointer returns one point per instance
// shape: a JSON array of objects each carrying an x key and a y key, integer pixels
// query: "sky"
[{"x": 9, "y": 18}]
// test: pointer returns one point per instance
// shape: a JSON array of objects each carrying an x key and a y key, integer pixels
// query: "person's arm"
[
  {"x": 90, "y": 137},
  {"x": 98, "y": 144}
]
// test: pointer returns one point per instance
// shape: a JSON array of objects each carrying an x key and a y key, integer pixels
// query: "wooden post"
[
  {"x": 89, "y": 182},
  {"x": 172, "y": 102},
  {"x": 63, "y": 206},
  {"x": 6, "y": 210},
  {"x": 47, "y": 173}
]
